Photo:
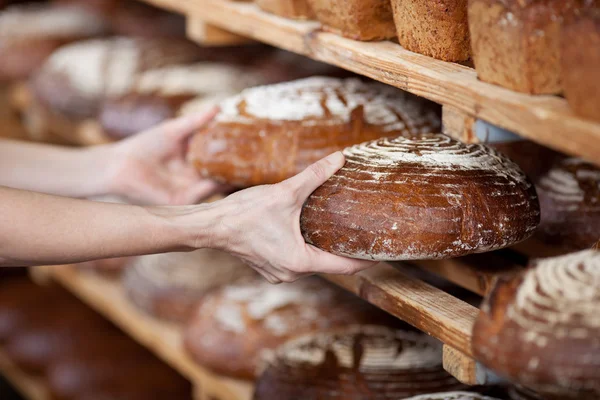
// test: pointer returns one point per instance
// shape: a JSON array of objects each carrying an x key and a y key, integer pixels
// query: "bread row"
[{"x": 537, "y": 47}]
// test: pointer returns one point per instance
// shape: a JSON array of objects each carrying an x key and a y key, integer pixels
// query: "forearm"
[
  {"x": 56, "y": 170},
  {"x": 37, "y": 229}
]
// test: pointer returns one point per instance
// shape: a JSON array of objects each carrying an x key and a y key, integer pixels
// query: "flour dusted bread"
[
  {"x": 30, "y": 33},
  {"x": 296, "y": 9},
  {"x": 540, "y": 329},
  {"x": 355, "y": 363},
  {"x": 569, "y": 196},
  {"x": 516, "y": 43},
  {"x": 364, "y": 20},
  {"x": 438, "y": 29},
  {"x": 269, "y": 133},
  {"x": 580, "y": 56},
  {"x": 424, "y": 196},
  {"x": 169, "y": 285},
  {"x": 234, "y": 325},
  {"x": 160, "y": 94}
]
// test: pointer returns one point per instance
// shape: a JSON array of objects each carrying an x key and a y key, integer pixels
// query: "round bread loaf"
[
  {"x": 541, "y": 329},
  {"x": 569, "y": 196},
  {"x": 159, "y": 94},
  {"x": 30, "y": 33},
  {"x": 234, "y": 325},
  {"x": 270, "y": 133},
  {"x": 423, "y": 196},
  {"x": 452, "y": 396},
  {"x": 168, "y": 286},
  {"x": 76, "y": 78},
  {"x": 355, "y": 363}
]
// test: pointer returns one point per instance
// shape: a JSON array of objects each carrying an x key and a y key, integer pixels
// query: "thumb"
[{"x": 317, "y": 174}]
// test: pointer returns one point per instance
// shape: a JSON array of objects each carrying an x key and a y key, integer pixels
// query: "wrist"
[{"x": 96, "y": 169}]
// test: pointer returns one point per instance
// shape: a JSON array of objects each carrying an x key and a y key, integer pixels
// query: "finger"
[
  {"x": 327, "y": 263},
  {"x": 315, "y": 175},
  {"x": 180, "y": 128}
]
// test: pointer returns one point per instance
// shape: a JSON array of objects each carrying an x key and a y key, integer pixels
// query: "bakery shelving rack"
[
  {"x": 544, "y": 119},
  {"x": 30, "y": 387}
]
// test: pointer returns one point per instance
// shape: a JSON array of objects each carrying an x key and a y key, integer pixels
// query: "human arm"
[{"x": 260, "y": 225}]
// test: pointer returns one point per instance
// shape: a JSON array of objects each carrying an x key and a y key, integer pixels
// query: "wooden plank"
[
  {"x": 31, "y": 388},
  {"x": 162, "y": 338},
  {"x": 545, "y": 119},
  {"x": 210, "y": 35},
  {"x": 425, "y": 307},
  {"x": 459, "y": 125}
]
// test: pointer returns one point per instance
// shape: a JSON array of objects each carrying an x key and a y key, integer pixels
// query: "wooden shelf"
[
  {"x": 106, "y": 296},
  {"x": 544, "y": 119},
  {"x": 32, "y": 388}
]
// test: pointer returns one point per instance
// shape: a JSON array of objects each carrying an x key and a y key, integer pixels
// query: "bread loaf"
[
  {"x": 160, "y": 94},
  {"x": 270, "y": 133},
  {"x": 297, "y": 9},
  {"x": 516, "y": 43},
  {"x": 540, "y": 329},
  {"x": 234, "y": 325},
  {"x": 580, "y": 55},
  {"x": 452, "y": 396},
  {"x": 30, "y": 33},
  {"x": 569, "y": 196},
  {"x": 168, "y": 286},
  {"x": 359, "y": 362},
  {"x": 364, "y": 20},
  {"x": 438, "y": 29},
  {"x": 423, "y": 196}
]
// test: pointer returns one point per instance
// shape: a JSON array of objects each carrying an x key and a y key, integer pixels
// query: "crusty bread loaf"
[
  {"x": 516, "y": 43},
  {"x": 423, "y": 196},
  {"x": 452, "y": 396},
  {"x": 269, "y": 133},
  {"x": 540, "y": 329},
  {"x": 357, "y": 19},
  {"x": 168, "y": 286},
  {"x": 30, "y": 33},
  {"x": 234, "y": 325},
  {"x": 438, "y": 29},
  {"x": 569, "y": 196},
  {"x": 355, "y": 363},
  {"x": 159, "y": 94},
  {"x": 297, "y": 9},
  {"x": 580, "y": 56}
]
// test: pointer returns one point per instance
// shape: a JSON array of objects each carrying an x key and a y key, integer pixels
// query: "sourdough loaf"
[
  {"x": 580, "y": 55},
  {"x": 168, "y": 286},
  {"x": 297, "y": 9},
  {"x": 438, "y": 29},
  {"x": 569, "y": 196},
  {"x": 355, "y": 363},
  {"x": 540, "y": 329},
  {"x": 234, "y": 325},
  {"x": 423, "y": 196},
  {"x": 30, "y": 33},
  {"x": 357, "y": 19},
  {"x": 270, "y": 133},
  {"x": 516, "y": 43}
]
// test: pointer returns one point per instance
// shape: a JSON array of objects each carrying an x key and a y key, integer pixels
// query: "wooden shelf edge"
[
  {"x": 28, "y": 386},
  {"x": 544, "y": 119},
  {"x": 164, "y": 339}
]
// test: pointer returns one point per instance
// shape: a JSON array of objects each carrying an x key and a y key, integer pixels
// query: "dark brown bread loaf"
[
  {"x": 297, "y": 9},
  {"x": 234, "y": 325},
  {"x": 420, "y": 197},
  {"x": 30, "y": 33},
  {"x": 540, "y": 329},
  {"x": 438, "y": 29},
  {"x": 516, "y": 43},
  {"x": 580, "y": 54},
  {"x": 355, "y": 363},
  {"x": 269, "y": 133},
  {"x": 452, "y": 396},
  {"x": 569, "y": 196},
  {"x": 106, "y": 7},
  {"x": 168, "y": 286},
  {"x": 357, "y": 19}
]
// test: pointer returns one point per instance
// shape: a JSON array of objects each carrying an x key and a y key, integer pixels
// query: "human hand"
[
  {"x": 150, "y": 167},
  {"x": 261, "y": 225}
]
